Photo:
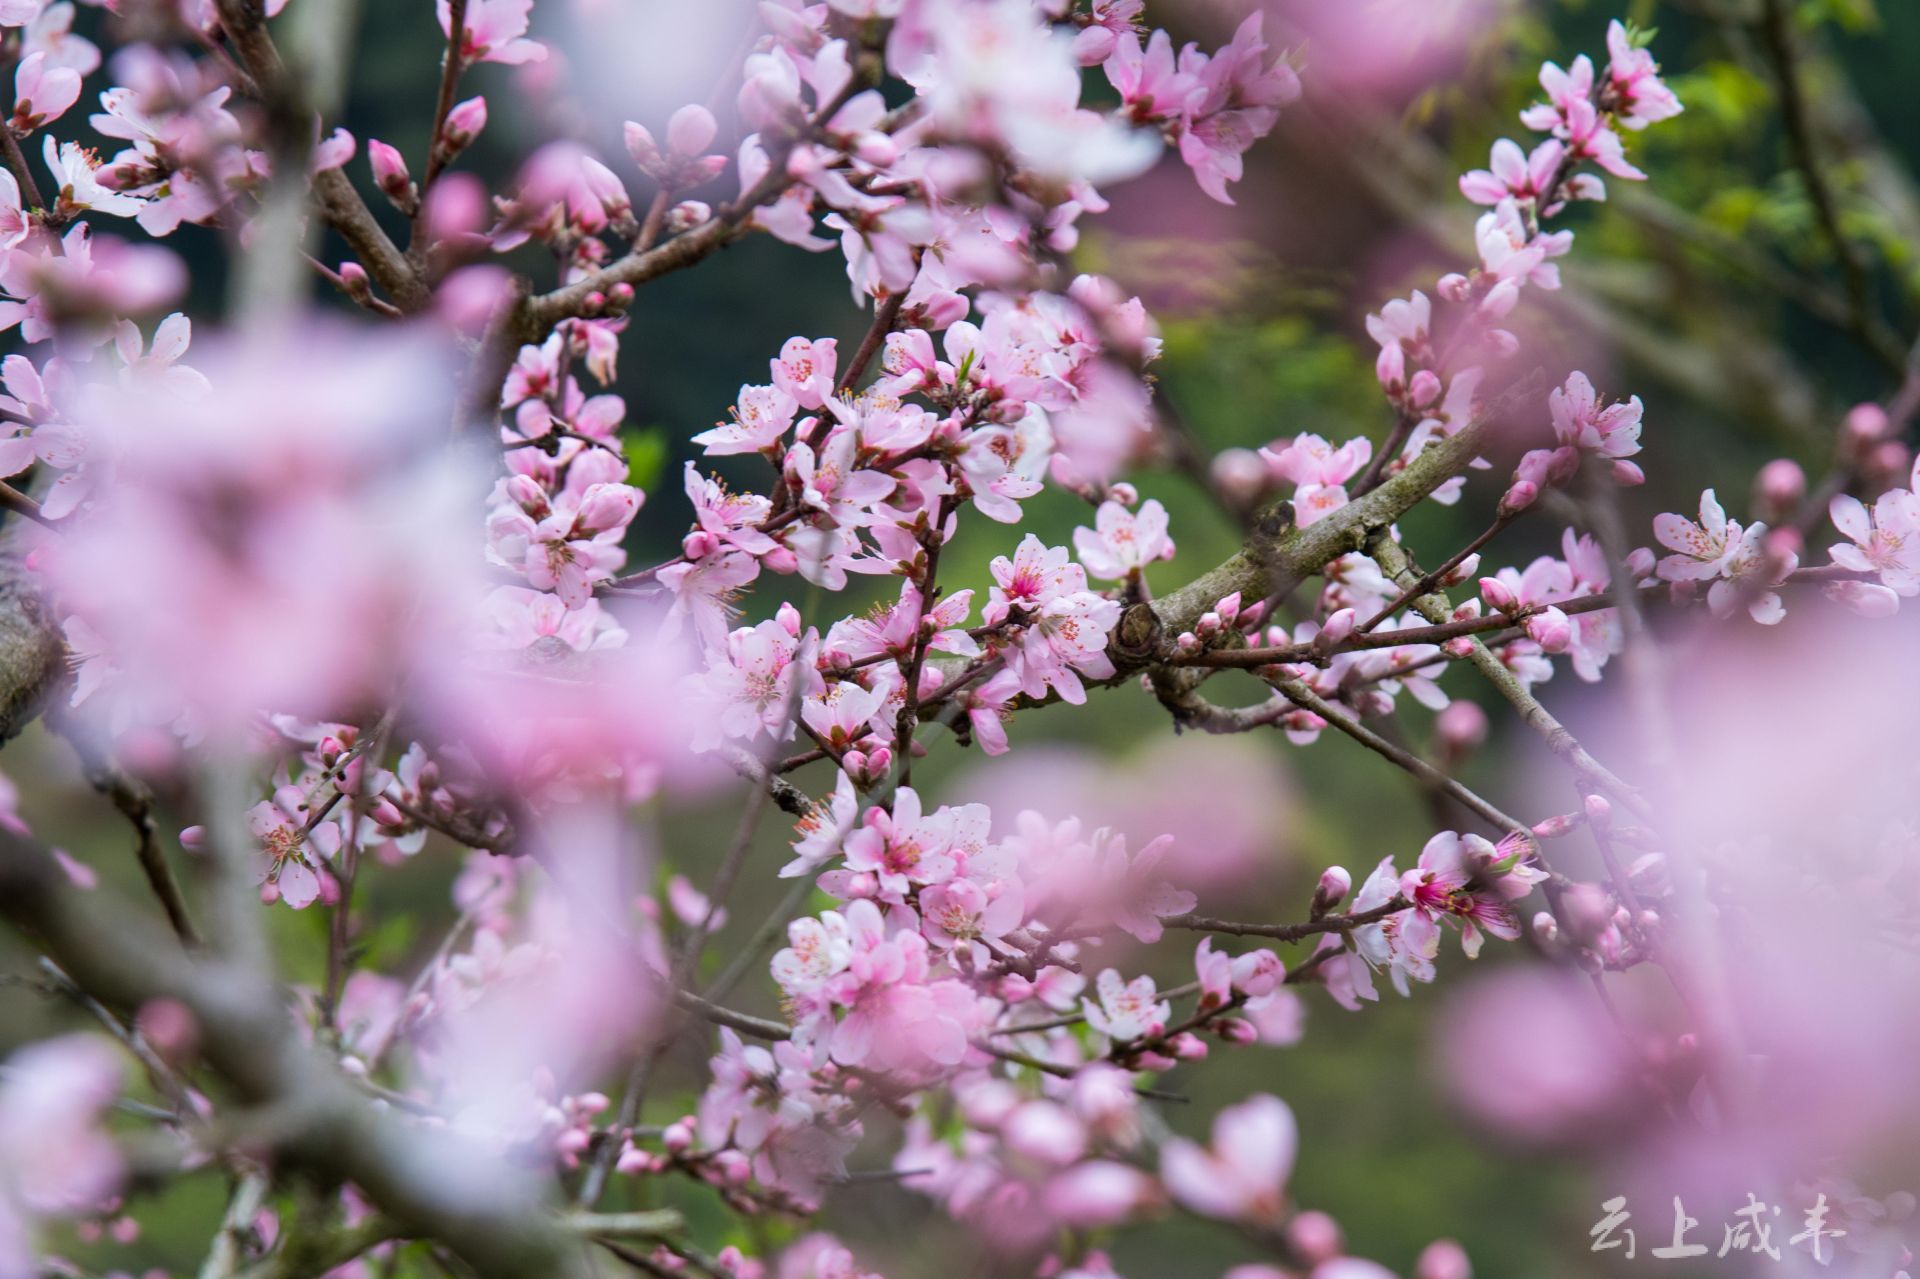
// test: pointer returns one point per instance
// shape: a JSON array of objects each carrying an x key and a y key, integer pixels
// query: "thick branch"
[
  {"x": 322, "y": 1124},
  {"x": 1278, "y": 556}
]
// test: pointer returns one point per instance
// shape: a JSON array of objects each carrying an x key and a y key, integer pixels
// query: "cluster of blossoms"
[{"x": 260, "y": 560}]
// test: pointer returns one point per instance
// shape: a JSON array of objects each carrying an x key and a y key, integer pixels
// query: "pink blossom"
[
  {"x": 1639, "y": 96},
  {"x": 42, "y": 92},
  {"x": 1126, "y": 1010},
  {"x": 495, "y": 31},
  {"x": 755, "y": 684},
  {"x": 1243, "y": 1177},
  {"x": 1884, "y": 539},
  {"x": 56, "y": 1156},
  {"x": 1515, "y": 174},
  {"x": 1122, "y": 542}
]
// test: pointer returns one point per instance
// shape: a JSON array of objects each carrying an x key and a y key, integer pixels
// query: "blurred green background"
[{"x": 1710, "y": 293}]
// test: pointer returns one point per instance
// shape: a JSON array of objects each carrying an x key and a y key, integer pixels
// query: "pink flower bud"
[
  {"x": 1187, "y": 1046},
  {"x": 690, "y": 130},
  {"x": 1886, "y": 466},
  {"x": 1556, "y": 826},
  {"x": 699, "y": 544},
  {"x": 789, "y": 618},
  {"x": 1443, "y": 1259},
  {"x": 606, "y": 507},
  {"x": 1124, "y": 493},
  {"x": 1338, "y": 628},
  {"x": 1239, "y": 473},
  {"x": 529, "y": 496},
  {"x": 1335, "y": 883},
  {"x": 1498, "y": 596},
  {"x": 1315, "y": 1237},
  {"x": 464, "y": 123},
  {"x": 1866, "y": 425},
  {"x": 1459, "y": 646},
  {"x": 1628, "y": 474},
  {"x": 1640, "y": 561},
  {"x": 1599, "y": 812},
  {"x": 354, "y": 277},
  {"x": 1462, "y": 571},
  {"x": 1460, "y": 728},
  {"x": 1586, "y": 910},
  {"x": 1517, "y": 498},
  {"x": 194, "y": 839},
  {"x": 1501, "y": 343},
  {"x": 1546, "y": 928},
  {"x": 1453, "y": 286},
  {"x": 687, "y": 215},
  {"x": 677, "y": 1137},
  {"x": 1424, "y": 389},
  {"x": 781, "y": 560},
  {"x": 389, "y": 170},
  {"x": 1550, "y": 629},
  {"x": 1228, "y": 609},
  {"x": 620, "y": 295},
  {"x": 1778, "y": 490},
  {"x": 170, "y": 1029},
  {"x": 1236, "y": 1031}
]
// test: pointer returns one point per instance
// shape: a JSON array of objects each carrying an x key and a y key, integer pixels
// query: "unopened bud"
[
  {"x": 1866, "y": 425},
  {"x": 1586, "y": 910},
  {"x": 1338, "y": 628},
  {"x": 353, "y": 278},
  {"x": 1460, "y": 572},
  {"x": 1240, "y": 474},
  {"x": 1555, "y": 827},
  {"x": 390, "y": 172},
  {"x": 1235, "y": 1030},
  {"x": 1546, "y": 928},
  {"x": 691, "y": 130},
  {"x": 1335, "y": 883},
  {"x": 1460, "y": 728},
  {"x": 170, "y": 1029},
  {"x": 1315, "y": 1237},
  {"x": 1779, "y": 488},
  {"x": 1443, "y": 1259},
  {"x": 1518, "y": 497},
  {"x": 687, "y": 215},
  {"x": 1124, "y": 493},
  {"x": 1498, "y": 595},
  {"x": 1424, "y": 388},
  {"x": 1599, "y": 812},
  {"x": 529, "y": 496},
  {"x": 464, "y": 124},
  {"x": 1550, "y": 629}
]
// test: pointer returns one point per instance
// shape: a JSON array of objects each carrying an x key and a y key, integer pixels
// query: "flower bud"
[
  {"x": 1599, "y": 812},
  {"x": 1453, "y": 286},
  {"x": 1335, "y": 883},
  {"x": 691, "y": 130},
  {"x": 606, "y": 507},
  {"x": 687, "y": 215},
  {"x": 1462, "y": 571},
  {"x": 789, "y": 618},
  {"x": 1239, "y": 473},
  {"x": 1338, "y": 628},
  {"x": 781, "y": 559},
  {"x": 529, "y": 496},
  {"x": 390, "y": 171},
  {"x": 1443, "y": 1259},
  {"x": 1556, "y": 826},
  {"x": 1778, "y": 490},
  {"x": 1546, "y": 928},
  {"x": 1424, "y": 388},
  {"x": 1460, "y": 728},
  {"x": 1866, "y": 425},
  {"x": 194, "y": 839},
  {"x": 1236, "y": 1031},
  {"x": 1459, "y": 646},
  {"x": 353, "y": 277},
  {"x": 1518, "y": 497},
  {"x": 1498, "y": 596},
  {"x": 1628, "y": 474},
  {"x": 1188, "y": 1046},
  {"x": 1315, "y": 1237},
  {"x": 1123, "y": 493},
  {"x": 1886, "y": 466},
  {"x": 1550, "y": 629},
  {"x": 699, "y": 544},
  {"x": 677, "y": 1137},
  {"x": 464, "y": 124},
  {"x": 1586, "y": 910},
  {"x": 1228, "y": 609},
  {"x": 170, "y": 1029}
]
